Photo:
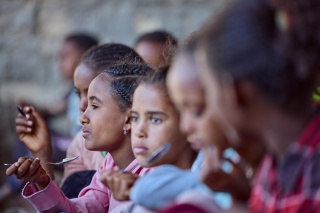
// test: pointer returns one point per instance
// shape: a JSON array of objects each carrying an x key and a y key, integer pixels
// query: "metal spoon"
[
  {"x": 159, "y": 153},
  {"x": 66, "y": 160}
]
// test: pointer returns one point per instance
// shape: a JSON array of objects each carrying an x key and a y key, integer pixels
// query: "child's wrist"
[{"x": 43, "y": 181}]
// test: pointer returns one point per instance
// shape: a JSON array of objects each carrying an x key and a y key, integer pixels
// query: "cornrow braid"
[
  {"x": 106, "y": 55},
  {"x": 128, "y": 69},
  {"x": 123, "y": 88},
  {"x": 124, "y": 78}
]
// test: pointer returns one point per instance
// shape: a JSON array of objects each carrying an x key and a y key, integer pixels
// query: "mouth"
[
  {"x": 140, "y": 150},
  {"x": 85, "y": 133},
  {"x": 197, "y": 144}
]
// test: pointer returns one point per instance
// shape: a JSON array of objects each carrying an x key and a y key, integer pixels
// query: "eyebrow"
[
  {"x": 95, "y": 98},
  {"x": 156, "y": 113}
]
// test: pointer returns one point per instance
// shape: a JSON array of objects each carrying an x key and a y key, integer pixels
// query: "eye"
[
  {"x": 94, "y": 106},
  {"x": 156, "y": 120},
  {"x": 197, "y": 113},
  {"x": 134, "y": 118}
]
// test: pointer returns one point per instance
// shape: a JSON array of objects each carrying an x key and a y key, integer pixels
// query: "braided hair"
[
  {"x": 124, "y": 77},
  {"x": 101, "y": 57}
]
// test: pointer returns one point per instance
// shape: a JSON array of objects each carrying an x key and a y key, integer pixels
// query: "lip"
[
  {"x": 140, "y": 149},
  {"x": 85, "y": 132},
  {"x": 197, "y": 144}
]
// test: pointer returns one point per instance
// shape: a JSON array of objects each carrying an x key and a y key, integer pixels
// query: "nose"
[
  {"x": 186, "y": 125},
  {"x": 139, "y": 129},
  {"x": 83, "y": 103},
  {"x": 84, "y": 119}
]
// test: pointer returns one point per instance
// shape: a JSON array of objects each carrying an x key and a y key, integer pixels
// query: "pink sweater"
[{"x": 94, "y": 198}]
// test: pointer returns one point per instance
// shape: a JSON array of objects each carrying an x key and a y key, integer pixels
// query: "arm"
[
  {"x": 34, "y": 133},
  {"x": 46, "y": 196},
  {"x": 165, "y": 183}
]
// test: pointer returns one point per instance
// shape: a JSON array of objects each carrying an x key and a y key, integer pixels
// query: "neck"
[
  {"x": 123, "y": 155},
  {"x": 186, "y": 158},
  {"x": 282, "y": 129}
]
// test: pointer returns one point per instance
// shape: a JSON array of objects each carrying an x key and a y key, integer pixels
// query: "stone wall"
[{"x": 31, "y": 31}]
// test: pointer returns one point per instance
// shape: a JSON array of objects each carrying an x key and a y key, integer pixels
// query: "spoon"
[
  {"x": 159, "y": 153},
  {"x": 65, "y": 160}
]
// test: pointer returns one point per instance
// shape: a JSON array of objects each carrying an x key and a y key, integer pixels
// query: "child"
[
  {"x": 260, "y": 66},
  {"x": 187, "y": 92},
  {"x": 93, "y": 63},
  {"x": 106, "y": 122},
  {"x": 155, "y": 122},
  {"x": 71, "y": 50},
  {"x": 156, "y": 48}
]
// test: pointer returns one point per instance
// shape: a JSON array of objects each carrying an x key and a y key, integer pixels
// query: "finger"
[
  {"x": 33, "y": 168},
  {"x": 23, "y": 168},
  {"x": 23, "y": 122},
  {"x": 23, "y": 130},
  {"x": 211, "y": 159},
  {"x": 37, "y": 116},
  {"x": 12, "y": 169},
  {"x": 35, "y": 175},
  {"x": 125, "y": 188}
]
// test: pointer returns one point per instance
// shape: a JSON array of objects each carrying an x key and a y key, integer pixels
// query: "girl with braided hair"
[
  {"x": 37, "y": 139},
  {"x": 106, "y": 127}
]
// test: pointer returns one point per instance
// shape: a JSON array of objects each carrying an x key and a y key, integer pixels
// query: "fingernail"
[
  {"x": 30, "y": 122},
  {"x": 16, "y": 164},
  {"x": 28, "y": 116},
  {"x": 29, "y": 129},
  {"x": 27, "y": 108}
]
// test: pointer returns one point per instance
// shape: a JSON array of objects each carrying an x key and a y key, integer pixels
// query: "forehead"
[
  {"x": 184, "y": 78},
  {"x": 83, "y": 73},
  {"x": 100, "y": 87},
  {"x": 151, "y": 97}
]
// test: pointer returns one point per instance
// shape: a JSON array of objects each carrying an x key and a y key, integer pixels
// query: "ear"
[
  {"x": 127, "y": 121},
  {"x": 243, "y": 93}
]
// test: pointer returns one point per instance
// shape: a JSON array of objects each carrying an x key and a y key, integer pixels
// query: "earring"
[{"x": 125, "y": 131}]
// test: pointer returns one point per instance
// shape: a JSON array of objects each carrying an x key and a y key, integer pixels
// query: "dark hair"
[
  {"x": 159, "y": 36},
  {"x": 82, "y": 41},
  {"x": 278, "y": 56},
  {"x": 104, "y": 56},
  {"x": 158, "y": 77},
  {"x": 124, "y": 78},
  {"x": 169, "y": 44}
]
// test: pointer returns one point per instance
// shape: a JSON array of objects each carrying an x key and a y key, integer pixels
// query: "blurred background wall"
[{"x": 32, "y": 31}]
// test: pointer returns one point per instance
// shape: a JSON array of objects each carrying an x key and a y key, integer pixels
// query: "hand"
[
  {"x": 119, "y": 183},
  {"x": 29, "y": 170},
  {"x": 215, "y": 178},
  {"x": 33, "y": 131}
]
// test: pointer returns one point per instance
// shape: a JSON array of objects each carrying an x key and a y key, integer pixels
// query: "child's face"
[
  {"x": 154, "y": 122},
  {"x": 220, "y": 101},
  {"x": 69, "y": 57},
  {"x": 82, "y": 78},
  {"x": 102, "y": 121},
  {"x": 188, "y": 96}
]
